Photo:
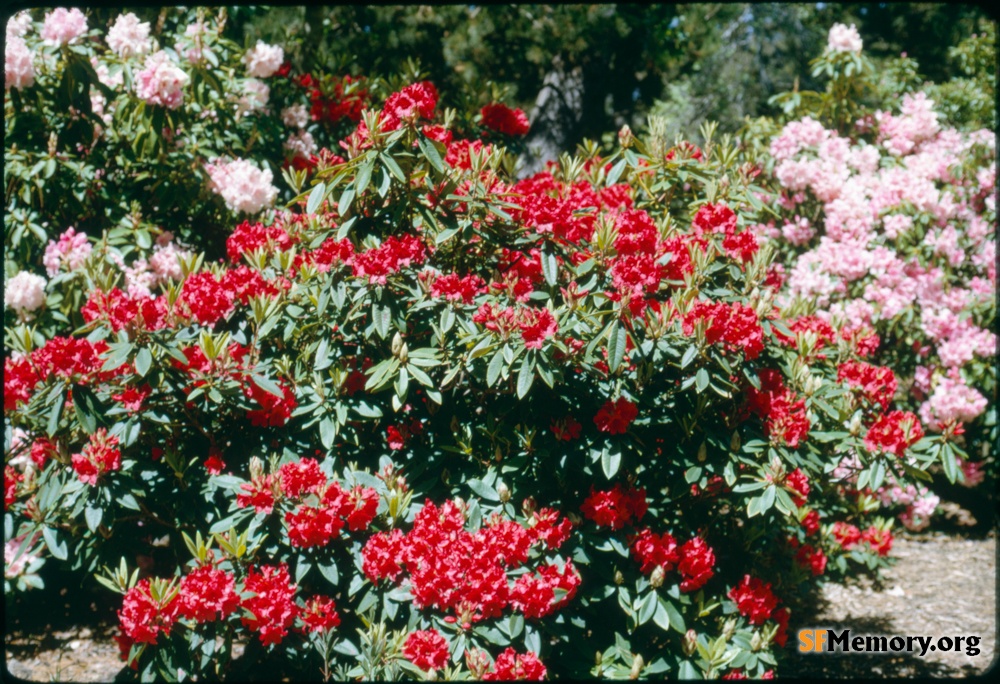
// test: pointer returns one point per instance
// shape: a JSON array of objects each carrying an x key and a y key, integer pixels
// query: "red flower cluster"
[
  {"x": 451, "y": 569},
  {"x": 811, "y": 522},
  {"x": 301, "y": 477},
  {"x": 319, "y": 614},
  {"x": 259, "y": 494},
  {"x": 535, "y": 594},
  {"x": 249, "y": 237},
  {"x": 343, "y": 103},
  {"x": 615, "y": 508},
  {"x": 686, "y": 150},
  {"x": 566, "y": 429},
  {"x": 894, "y": 433},
  {"x": 614, "y": 417},
  {"x": 697, "y": 561},
  {"x": 824, "y": 333},
  {"x": 876, "y": 383},
  {"x": 100, "y": 456},
  {"x": 388, "y": 258},
  {"x": 245, "y": 283},
  {"x": 845, "y": 534},
  {"x": 502, "y": 119},
  {"x": 142, "y": 619},
  {"x": 10, "y": 479},
  {"x": 459, "y": 154},
  {"x": 70, "y": 358},
  {"x": 207, "y": 594},
  {"x": 417, "y": 100},
  {"x": 120, "y": 311},
  {"x": 455, "y": 288},
  {"x": 754, "y": 599},
  {"x": 879, "y": 540},
  {"x": 785, "y": 417},
  {"x": 546, "y": 526},
  {"x": 206, "y": 298},
  {"x": 331, "y": 253},
  {"x": 426, "y": 649},
  {"x": 812, "y": 559},
  {"x": 397, "y": 436},
  {"x": 274, "y": 411},
  {"x": 272, "y": 608},
  {"x": 511, "y": 666},
  {"x": 654, "y": 551},
  {"x": 534, "y": 325},
  {"x": 798, "y": 483},
  {"x": 735, "y": 325}
]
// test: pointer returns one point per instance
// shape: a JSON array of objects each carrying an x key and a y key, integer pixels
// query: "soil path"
[{"x": 940, "y": 586}]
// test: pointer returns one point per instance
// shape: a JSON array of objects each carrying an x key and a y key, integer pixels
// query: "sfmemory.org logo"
[{"x": 828, "y": 641}]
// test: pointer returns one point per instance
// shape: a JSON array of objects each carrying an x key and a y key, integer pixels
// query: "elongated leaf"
[
  {"x": 611, "y": 461},
  {"x": 493, "y": 370},
  {"x": 617, "y": 341},
  {"x": 143, "y": 361},
  {"x": 431, "y": 153},
  {"x": 364, "y": 177},
  {"x": 316, "y": 198},
  {"x": 55, "y": 413},
  {"x": 525, "y": 376}
]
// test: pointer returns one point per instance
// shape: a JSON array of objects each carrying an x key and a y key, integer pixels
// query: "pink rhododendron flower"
[
  {"x": 161, "y": 82},
  {"x": 63, "y": 26}
]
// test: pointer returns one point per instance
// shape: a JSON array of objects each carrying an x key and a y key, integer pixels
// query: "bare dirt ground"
[{"x": 940, "y": 586}]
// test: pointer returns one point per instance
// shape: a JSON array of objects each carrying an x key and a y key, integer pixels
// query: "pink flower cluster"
[
  {"x": 263, "y": 60},
  {"x": 244, "y": 187},
  {"x": 161, "y": 82},
  {"x": 19, "y": 65},
  {"x": 128, "y": 36},
  {"x": 68, "y": 253},
  {"x": 62, "y": 26}
]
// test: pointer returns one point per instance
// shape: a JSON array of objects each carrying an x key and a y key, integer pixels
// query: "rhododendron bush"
[
  {"x": 888, "y": 223},
  {"x": 430, "y": 420}
]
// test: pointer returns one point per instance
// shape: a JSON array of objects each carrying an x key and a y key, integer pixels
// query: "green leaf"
[
  {"x": 143, "y": 362},
  {"x": 316, "y": 198},
  {"x": 431, "y": 153},
  {"x": 610, "y": 462},
  {"x": 327, "y": 432},
  {"x": 55, "y": 413},
  {"x": 646, "y": 608},
  {"x": 525, "y": 376},
  {"x": 90, "y": 413},
  {"x": 56, "y": 547},
  {"x": 346, "y": 199},
  {"x": 617, "y": 342},
  {"x": 616, "y": 172},
  {"x": 493, "y": 370},
  {"x": 701, "y": 380},
  {"x": 550, "y": 268},
  {"x": 483, "y": 490},
  {"x": 393, "y": 167},
  {"x": 676, "y": 619},
  {"x": 93, "y": 516},
  {"x": 268, "y": 385},
  {"x": 323, "y": 360}
]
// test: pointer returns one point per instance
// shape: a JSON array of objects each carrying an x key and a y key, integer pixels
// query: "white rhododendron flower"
[
  {"x": 243, "y": 186},
  {"x": 263, "y": 59}
]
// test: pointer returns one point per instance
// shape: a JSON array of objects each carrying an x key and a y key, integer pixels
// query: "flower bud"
[
  {"x": 637, "y": 664},
  {"x": 728, "y": 629},
  {"x": 404, "y": 353},
  {"x": 497, "y": 455},
  {"x": 397, "y": 343},
  {"x": 702, "y": 452},
  {"x": 477, "y": 662},
  {"x": 734, "y": 443},
  {"x": 854, "y": 427},
  {"x": 528, "y": 506},
  {"x": 625, "y": 137},
  {"x": 574, "y": 519},
  {"x": 256, "y": 468},
  {"x": 690, "y": 643},
  {"x": 755, "y": 642},
  {"x": 656, "y": 579},
  {"x": 431, "y": 675},
  {"x": 504, "y": 492},
  {"x": 619, "y": 577}
]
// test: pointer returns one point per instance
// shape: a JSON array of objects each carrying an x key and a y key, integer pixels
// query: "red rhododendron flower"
[
  {"x": 381, "y": 557},
  {"x": 654, "y": 550},
  {"x": 329, "y": 254},
  {"x": 546, "y": 528},
  {"x": 847, "y": 535},
  {"x": 206, "y": 298},
  {"x": 359, "y": 507},
  {"x": 274, "y": 411},
  {"x": 214, "y": 463},
  {"x": 132, "y": 397},
  {"x": 714, "y": 218},
  {"x": 417, "y": 100},
  {"x": 615, "y": 508},
  {"x": 259, "y": 494},
  {"x": 272, "y": 607},
  {"x": 249, "y": 237},
  {"x": 502, "y": 119},
  {"x": 877, "y": 384},
  {"x": 811, "y": 558},
  {"x": 798, "y": 483},
  {"x": 510, "y": 666},
  {"x": 537, "y": 325},
  {"x": 142, "y": 619},
  {"x": 426, "y": 649},
  {"x": 455, "y": 288},
  {"x": 785, "y": 417},
  {"x": 10, "y": 479},
  {"x": 392, "y": 255},
  {"x": 824, "y": 333},
  {"x": 735, "y": 325},
  {"x": 100, "y": 456},
  {"x": 894, "y": 432},
  {"x": 300, "y": 477},
  {"x": 309, "y": 526},
  {"x": 754, "y": 599},
  {"x": 534, "y": 594},
  {"x": 741, "y": 246},
  {"x": 614, "y": 417},
  {"x": 566, "y": 429},
  {"x": 879, "y": 540},
  {"x": 697, "y": 561},
  {"x": 207, "y": 594},
  {"x": 781, "y": 636},
  {"x": 811, "y": 522},
  {"x": 319, "y": 614}
]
